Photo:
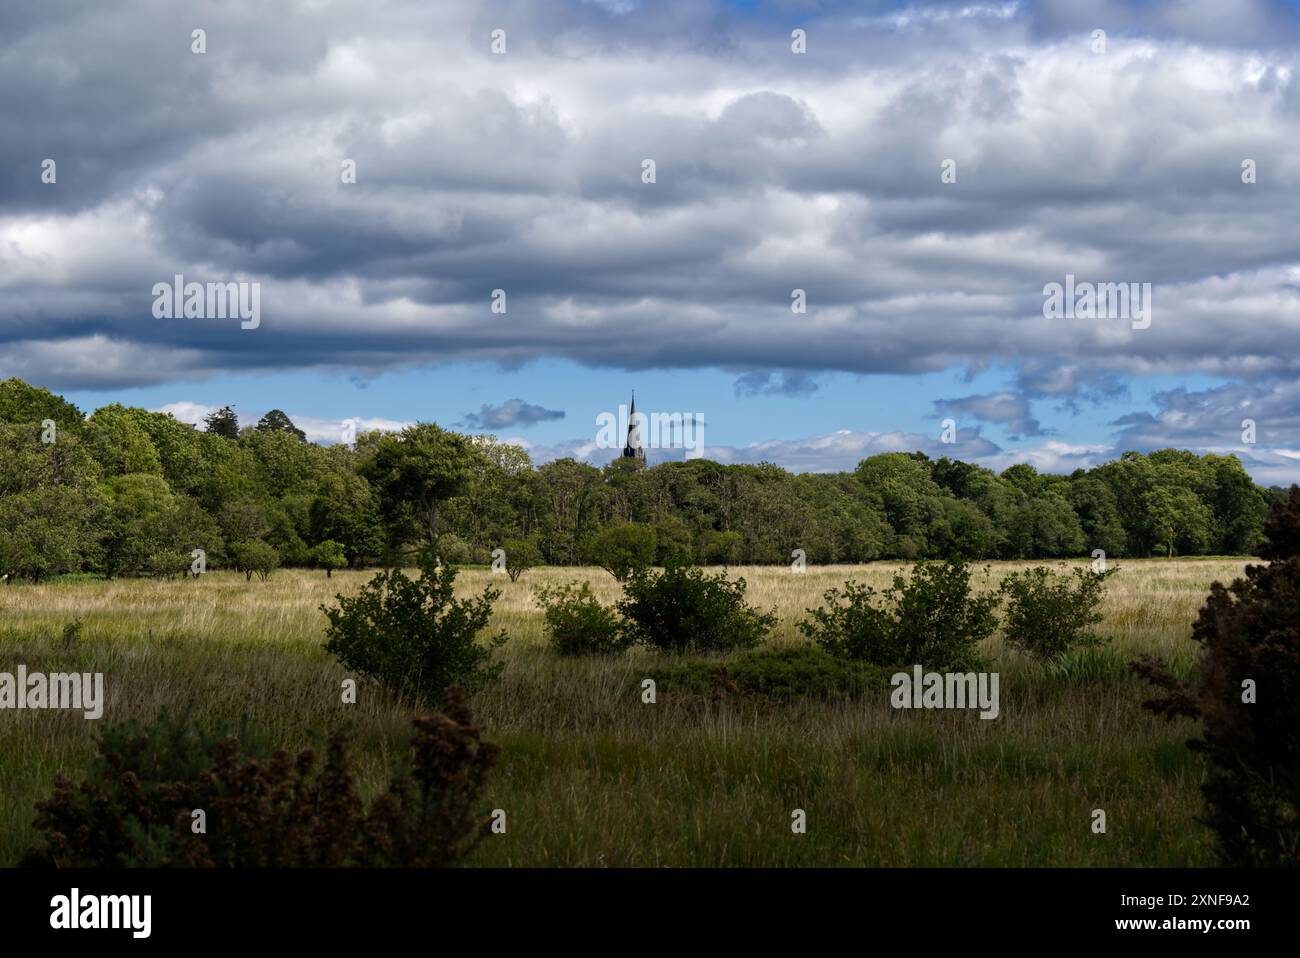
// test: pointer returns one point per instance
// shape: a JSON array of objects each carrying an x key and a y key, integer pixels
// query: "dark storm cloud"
[{"x": 774, "y": 172}]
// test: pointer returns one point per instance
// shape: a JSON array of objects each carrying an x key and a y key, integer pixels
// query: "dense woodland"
[{"x": 129, "y": 492}]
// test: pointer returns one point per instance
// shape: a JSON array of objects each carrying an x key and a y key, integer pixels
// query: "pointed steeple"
[{"x": 632, "y": 449}]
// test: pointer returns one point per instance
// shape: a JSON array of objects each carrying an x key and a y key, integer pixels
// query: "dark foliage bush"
[
  {"x": 1282, "y": 529},
  {"x": 413, "y": 635},
  {"x": 782, "y": 674},
  {"x": 1049, "y": 615},
  {"x": 578, "y": 624},
  {"x": 135, "y": 807},
  {"x": 1250, "y": 630},
  {"x": 930, "y": 619},
  {"x": 682, "y": 608}
]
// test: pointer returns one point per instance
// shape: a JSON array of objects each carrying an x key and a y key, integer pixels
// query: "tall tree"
[
  {"x": 277, "y": 421},
  {"x": 415, "y": 471},
  {"x": 223, "y": 423}
]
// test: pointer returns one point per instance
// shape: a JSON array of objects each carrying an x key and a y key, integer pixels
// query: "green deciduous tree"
[
  {"x": 254, "y": 557},
  {"x": 328, "y": 555},
  {"x": 51, "y": 507},
  {"x": 415, "y": 472}
]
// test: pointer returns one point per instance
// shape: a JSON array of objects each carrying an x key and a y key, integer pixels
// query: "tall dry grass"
[{"x": 590, "y": 775}]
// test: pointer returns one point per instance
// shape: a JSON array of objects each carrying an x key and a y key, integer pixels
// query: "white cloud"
[
  {"x": 324, "y": 431},
  {"x": 191, "y": 412}
]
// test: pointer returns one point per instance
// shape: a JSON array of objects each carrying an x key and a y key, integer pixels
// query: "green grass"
[{"x": 591, "y": 776}]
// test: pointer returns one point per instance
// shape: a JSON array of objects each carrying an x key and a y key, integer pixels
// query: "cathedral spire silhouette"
[{"x": 633, "y": 449}]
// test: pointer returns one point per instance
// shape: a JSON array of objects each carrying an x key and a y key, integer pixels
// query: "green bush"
[
  {"x": 71, "y": 634},
  {"x": 413, "y": 635},
  {"x": 578, "y": 624},
  {"x": 681, "y": 608},
  {"x": 253, "y": 556},
  {"x": 168, "y": 563},
  {"x": 782, "y": 674},
  {"x": 453, "y": 550},
  {"x": 278, "y": 811},
  {"x": 1049, "y": 615},
  {"x": 721, "y": 548},
  {"x": 930, "y": 619},
  {"x": 623, "y": 549}
]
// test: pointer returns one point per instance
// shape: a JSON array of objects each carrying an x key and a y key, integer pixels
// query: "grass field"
[{"x": 591, "y": 776}]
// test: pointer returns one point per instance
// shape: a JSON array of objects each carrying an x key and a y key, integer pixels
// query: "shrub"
[
  {"x": 413, "y": 635},
  {"x": 453, "y": 550},
  {"x": 254, "y": 556},
  {"x": 930, "y": 619},
  {"x": 682, "y": 608},
  {"x": 623, "y": 549},
  {"x": 520, "y": 555},
  {"x": 166, "y": 563},
  {"x": 853, "y": 625},
  {"x": 721, "y": 548},
  {"x": 135, "y": 807},
  {"x": 71, "y": 634},
  {"x": 577, "y": 623},
  {"x": 1049, "y": 615},
  {"x": 1282, "y": 529},
  {"x": 782, "y": 674},
  {"x": 1249, "y": 630}
]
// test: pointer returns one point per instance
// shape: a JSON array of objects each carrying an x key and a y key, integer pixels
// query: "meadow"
[{"x": 591, "y": 776}]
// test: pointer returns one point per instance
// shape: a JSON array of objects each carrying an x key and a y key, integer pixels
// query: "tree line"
[{"x": 126, "y": 492}]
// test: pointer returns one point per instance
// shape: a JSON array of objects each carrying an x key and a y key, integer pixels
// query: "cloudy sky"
[{"x": 774, "y": 170}]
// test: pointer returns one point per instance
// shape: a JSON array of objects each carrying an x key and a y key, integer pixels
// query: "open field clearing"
[{"x": 591, "y": 776}]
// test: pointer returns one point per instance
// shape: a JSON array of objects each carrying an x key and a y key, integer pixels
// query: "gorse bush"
[
  {"x": 136, "y": 806},
  {"x": 929, "y": 619},
  {"x": 577, "y": 623},
  {"x": 682, "y": 608},
  {"x": 1245, "y": 692},
  {"x": 1049, "y": 615},
  {"x": 414, "y": 635}
]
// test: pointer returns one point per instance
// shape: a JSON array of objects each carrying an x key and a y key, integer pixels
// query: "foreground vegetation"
[{"x": 589, "y": 775}]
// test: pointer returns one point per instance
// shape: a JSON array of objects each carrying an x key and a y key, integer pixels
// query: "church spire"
[{"x": 632, "y": 449}]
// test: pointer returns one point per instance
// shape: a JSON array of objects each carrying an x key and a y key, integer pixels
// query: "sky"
[{"x": 502, "y": 261}]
